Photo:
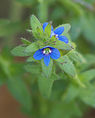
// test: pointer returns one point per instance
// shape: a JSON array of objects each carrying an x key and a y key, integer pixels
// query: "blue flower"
[
  {"x": 57, "y": 33},
  {"x": 46, "y": 53}
]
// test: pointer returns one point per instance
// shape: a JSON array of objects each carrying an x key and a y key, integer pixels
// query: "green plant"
[{"x": 65, "y": 86}]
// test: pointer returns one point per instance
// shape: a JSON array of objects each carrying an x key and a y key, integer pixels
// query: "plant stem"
[{"x": 43, "y": 10}]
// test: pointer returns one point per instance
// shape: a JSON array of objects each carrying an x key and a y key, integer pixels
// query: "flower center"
[
  {"x": 53, "y": 34},
  {"x": 56, "y": 35},
  {"x": 47, "y": 51}
]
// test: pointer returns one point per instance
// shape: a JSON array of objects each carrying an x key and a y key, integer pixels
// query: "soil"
[{"x": 9, "y": 107}]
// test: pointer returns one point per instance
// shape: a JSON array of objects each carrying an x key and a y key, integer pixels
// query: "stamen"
[{"x": 47, "y": 51}]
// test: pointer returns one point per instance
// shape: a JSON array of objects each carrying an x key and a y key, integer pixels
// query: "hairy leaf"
[
  {"x": 47, "y": 70},
  {"x": 31, "y": 48},
  {"x": 20, "y": 51},
  {"x": 20, "y": 91},
  {"x": 45, "y": 85}
]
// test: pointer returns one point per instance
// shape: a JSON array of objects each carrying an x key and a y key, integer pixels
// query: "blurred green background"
[{"x": 15, "y": 19}]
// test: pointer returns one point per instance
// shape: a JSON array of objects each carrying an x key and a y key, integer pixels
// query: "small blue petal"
[
  {"x": 52, "y": 34},
  {"x": 63, "y": 38},
  {"x": 47, "y": 59},
  {"x": 55, "y": 54},
  {"x": 38, "y": 55},
  {"x": 44, "y": 26},
  {"x": 52, "y": 28},
  {"x": 59, "y": 30}
]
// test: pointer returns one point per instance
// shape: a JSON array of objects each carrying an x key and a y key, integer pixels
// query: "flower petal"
[
  {"x": 52, "y": 34},
  {"x": 44, "y": 26},
  {"x": 63, "y": 38},
  {"x": 59, "y": 30},
  {"x": 52, "y": 28},
  {"x": 38, "y": 55},
  {"x": 55, "y": 54},
  {"x": 47, "y": 59}
]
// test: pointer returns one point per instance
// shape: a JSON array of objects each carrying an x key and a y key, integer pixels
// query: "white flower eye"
[
  {"x": 47, "y": 51},
  {"x": 56, "y": 35}
]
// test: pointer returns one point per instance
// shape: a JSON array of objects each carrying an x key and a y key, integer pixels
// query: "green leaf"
[
  {"x": 59, "y": 87},
  {"x": 66, "y": 27},
  {"x": 68, "y": 36},
  {"x": 89, "y": 58},
  {"x": 5, "y": 64},
  {"x": 20, "y": 51},
  {"x": 38, "y": 33},
  {"x": 88, "y": 75},
  {"x": 63, "y": 110},
  {"x": 71, "y": 93},
  {"x": 62, "y": 45},
  {"x": 20, "y": 91},
  {"x": 3, "y": 70},
  {"x": 47, "y": 70},
  {"x": 48, "y": 30},
  {"x": 87, "y": 95},
  {"x": 76, "y": 57},
  {"x": 45, "y": 85},
  {"x": 36, "y": 25},
  {"x": 3, "y": 77},
  {"x": 69, "y": 68},
  {"x": 31, "y": 48},
  {"x": 25, "y": 41},
  {"x": 33, "y": 68},
  {"x": 31, "y": 59},
  {"x": 61, "y": 60}
]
